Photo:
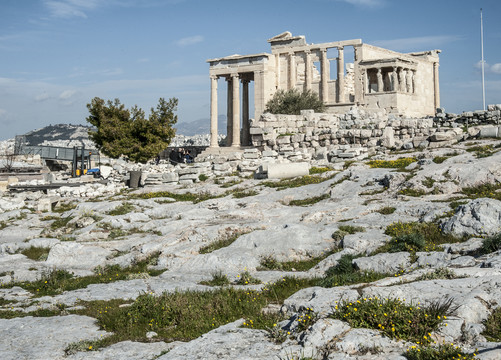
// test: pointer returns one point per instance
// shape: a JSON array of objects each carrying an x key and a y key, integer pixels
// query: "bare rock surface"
[{"x": 192, "y": 241}]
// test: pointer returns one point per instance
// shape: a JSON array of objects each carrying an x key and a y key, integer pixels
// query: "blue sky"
[{"x": 56, "y": 55}]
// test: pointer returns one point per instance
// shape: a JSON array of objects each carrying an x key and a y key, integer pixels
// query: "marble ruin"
[{"x": 377, "y": 80}]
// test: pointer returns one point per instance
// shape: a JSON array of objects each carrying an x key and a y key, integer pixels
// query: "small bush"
[
  {"x": 293, "y": 101},
  {"x": 202, "y": 177},
  {"x": 123, "y": 209},
  {"x": 442, "y": 352},
  {"x": 316, "y": 170},
  {"x": 296, "y": 182},
  {"x": 493, "y": 326},
  {"x": 387, "y": 210},
  {"x": 246, "y": 278},
  {"x": 221, "y": 243},
  {"x": 483, "y": 191},
  {"x": 392, "y": 164},
  {"x": 36, "y": 253},
  {"x": 218, "y": 279},
  {"x": 309, "y": 201},
  {"x": 393, "y": 317},
  {"x": 244, "y": 193},
  {"x": 491, "y": 244},
  {"x": 440, "y": 273},
  {"x": 351, "y": 229},
  {"x": 60, "y": 222},
  {"x": 412, "y": 192},
  {"x": 408, "y": 242}
]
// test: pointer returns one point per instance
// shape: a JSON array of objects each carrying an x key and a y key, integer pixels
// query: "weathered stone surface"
[
  {"x": 45, "y": 337},
  {"x": 480, "y": 217}
]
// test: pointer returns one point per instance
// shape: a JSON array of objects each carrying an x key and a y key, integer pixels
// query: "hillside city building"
[{"x": 376, "y": 80}]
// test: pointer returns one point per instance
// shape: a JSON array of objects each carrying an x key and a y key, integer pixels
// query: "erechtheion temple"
[{"x": 377, "y": 80}]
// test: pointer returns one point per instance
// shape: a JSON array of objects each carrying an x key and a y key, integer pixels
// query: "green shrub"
[
  {"x": 318, "y": 170},
  {"x": 123, "y": 209},
  {"x": 493, "y": 326},
  {"x": 244, "y": 193},
  {"x": 351, "y": 229},
  {"x": 246, "y": 278},
  {"x": 491, "y": 244},
  {"x": 309, "y": 201},
  {"x": 393, "y": 317},
  {"x": 293, "y": 101},
  {"x": 202, "y": 177},
  {"x": 442, "y": 352},
  {"x": 221, "y": 243},
  {"x": 218, "y": 279},
  {"x": 36, "y": 253},
  {"x": 392, "y": 164},
  {"x": 296, "y": 182},
  {"x": 483, "y": 191},
  {"x": 407, "y": 242},
  {"x": 387, "y": 210}
]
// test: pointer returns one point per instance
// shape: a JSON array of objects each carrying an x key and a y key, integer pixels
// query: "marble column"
[
  {"x": 213, "y": 111},
  {"x": 340, "y": 75},
  {"x": 292, "y": 70},
  {"x": 307, "y": 70},
  {"x": 245, "y": 113},
  {"x": 380, "y": 83},
  {"x": 229, "y": 112},
  {"x": 236, "y": 111},
  {"x": 436, "y": 85},
  {"x": 324, "y": 76}
]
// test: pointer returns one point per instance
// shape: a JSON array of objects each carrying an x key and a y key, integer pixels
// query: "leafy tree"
[
  {"x": 293, "y": 101},
  {"x": 120, "y": 131}
]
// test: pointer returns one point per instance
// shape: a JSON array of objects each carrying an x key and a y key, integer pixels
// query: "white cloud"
[
  {"x": 67, "y": 94},
  {"x": 70, "y": 8},
  {"x": 365, "y": 3},
  {"x": 143, "y": 60},
  {"x": 496, "y": 68},
  {"x": 3, "y": 113},
  {"x": 42, "y": 97},
  {"x": 190, "y": 40},
  {"x": 417, "y": 43}
]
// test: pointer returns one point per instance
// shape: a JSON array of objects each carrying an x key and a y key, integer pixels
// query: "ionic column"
[
  {"x": 236, "y": 111},
  {"x": 340, "y": 75},
  {"x": 436, "y": 85},
  {"x": 292, "y": 70},
  {"x": 213, "y": 111},
  {"x": 307, "y": 70},
  {"x": 380, "y": 83},
  {"x": 395, "y": 79},
  {"x": 324, "y": 76},
  {"x": 245, "y": 113},
  {"x": 229, "y": 112}
]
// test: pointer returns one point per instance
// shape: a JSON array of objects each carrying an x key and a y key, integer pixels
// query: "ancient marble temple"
[{"x": 375, "y": 79}]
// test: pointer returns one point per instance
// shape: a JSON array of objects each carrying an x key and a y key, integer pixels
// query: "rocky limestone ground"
[{"x": 166, "y": 235}]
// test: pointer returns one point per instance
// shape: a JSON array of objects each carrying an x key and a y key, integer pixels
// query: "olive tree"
[{"x": 293, "y": 101}]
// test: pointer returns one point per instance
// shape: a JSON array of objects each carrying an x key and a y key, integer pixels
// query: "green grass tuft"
[{"x": 36, "y": 253}]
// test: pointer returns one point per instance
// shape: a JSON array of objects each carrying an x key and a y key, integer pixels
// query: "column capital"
[
  {"x": 234, "y": 75},
  {"x": 291, "y": 53},
  {"x": 340, "y": 48},
  {"x": 323, "y": 50},
  {"x": 307, "y": 51}
]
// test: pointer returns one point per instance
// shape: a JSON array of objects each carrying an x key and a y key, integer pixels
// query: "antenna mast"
[{"x": 482, "y": 47}]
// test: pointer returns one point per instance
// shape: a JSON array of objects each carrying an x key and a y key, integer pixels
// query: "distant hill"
[
  {"x": 201, "y": 126},
  {"x": 64, "y": 135}
]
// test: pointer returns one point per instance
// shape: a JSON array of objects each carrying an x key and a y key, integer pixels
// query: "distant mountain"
[
  {"x": 201, "y": 126},
  {"x": 59, "y": 132}
]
